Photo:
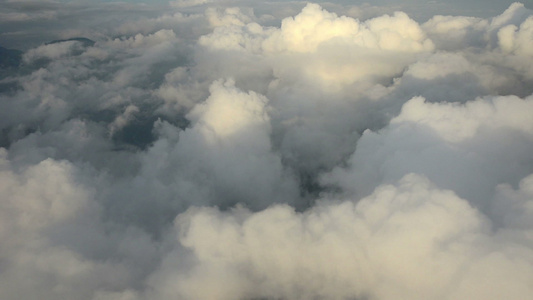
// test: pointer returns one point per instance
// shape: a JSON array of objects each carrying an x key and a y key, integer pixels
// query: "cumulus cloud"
[
  {"x": 225, "y": 156},
  {"x": 460, "y": 148},
  {"x": 51, "y": 51},
  {"x": 456, "y": 123},
  {"x": 329, "y": 40},
  {"x": 512, "y": 39},
  {"x": 235, "y": 150},
  {"x": 408, "y": 240},
  {"x": 46, "y": 211}
]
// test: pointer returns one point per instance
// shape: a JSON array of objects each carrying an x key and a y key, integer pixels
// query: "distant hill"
[{"x": 10, "y": 58}]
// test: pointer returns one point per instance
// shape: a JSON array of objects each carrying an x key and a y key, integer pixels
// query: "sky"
[{"x": 224, "y": 150}]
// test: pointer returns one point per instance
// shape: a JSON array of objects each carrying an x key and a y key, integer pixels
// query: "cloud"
[
  {"x": 225, "y": 156},
  {"x": 515, "y": 40},
  {"x": 52, "y": 51},
  {"x": 328, "y": 40},
  {"x": 407, "y": 240},
  {"x": 314, "y": 56},
  {"x": 455, "y": 123},
  {"x": 515, "y": 206},
  {"x": 235, "y": 150},
  {"x": 457, "y": 146},
  {"x": 36, "y": 202},
  {"x": 454, "y": 32},
  {"x": 121, "y": 121}
]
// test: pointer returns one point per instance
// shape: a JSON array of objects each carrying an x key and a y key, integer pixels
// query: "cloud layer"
[{"x": 214, "y": 151}]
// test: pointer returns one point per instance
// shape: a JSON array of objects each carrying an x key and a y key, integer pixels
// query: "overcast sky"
[{"x": 224, "y": 150}]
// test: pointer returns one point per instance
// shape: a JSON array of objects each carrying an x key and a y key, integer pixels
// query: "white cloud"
[
  {"x": 225, "y": 156},
  {"x": 266, "y": 151},
  {"x": 469, "y": 148},
  {"x": 328, "y": 49},
  {"x": 512, "y": 39},
  {"x": 454, "y": 32},
  {"x": 51, "y": 51},
  {"x": 455, "y": 122},
  {"x": 408, "y": 240}
]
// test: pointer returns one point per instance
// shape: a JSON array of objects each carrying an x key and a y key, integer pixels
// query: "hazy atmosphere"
[{"x": 276, "y": 150}]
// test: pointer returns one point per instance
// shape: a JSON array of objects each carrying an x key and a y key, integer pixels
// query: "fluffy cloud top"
[
  {"x": 334, "y": 50},
  {"x": 408, "y": 240},
  {"x": 455, "y": 123}
]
